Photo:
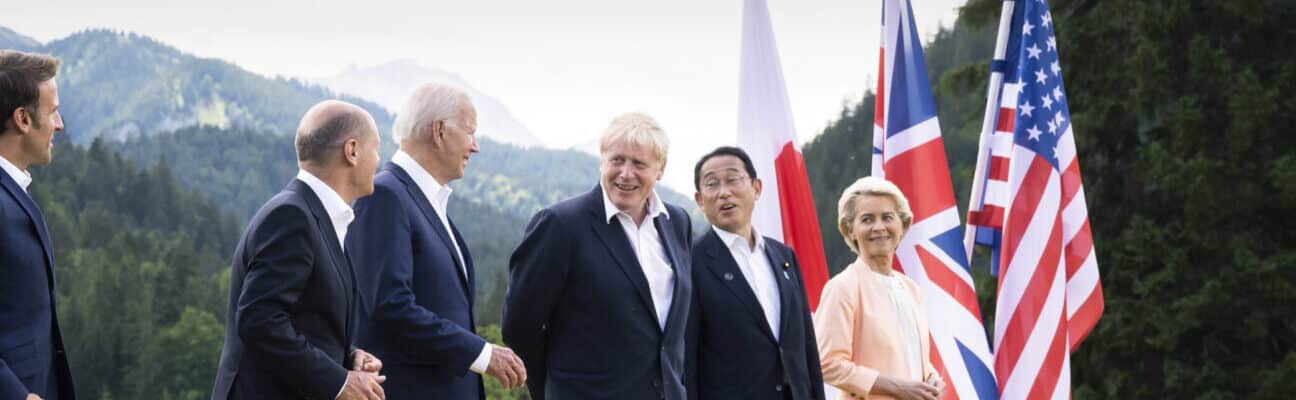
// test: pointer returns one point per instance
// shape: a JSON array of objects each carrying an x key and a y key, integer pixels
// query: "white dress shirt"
[
  {"x": 339, "y": 212},
  {"x": 756, "y": 269},
  {"x": 650, "y": 252},
  {"x": 23, "y": 178},
  {"x": 439, "y": 195}
]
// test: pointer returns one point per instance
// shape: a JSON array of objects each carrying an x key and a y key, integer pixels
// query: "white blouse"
[{"x": 906, "y": 320}]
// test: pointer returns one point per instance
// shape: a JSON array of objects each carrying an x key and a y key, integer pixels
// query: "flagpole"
[{"x": 993, "y": 92}]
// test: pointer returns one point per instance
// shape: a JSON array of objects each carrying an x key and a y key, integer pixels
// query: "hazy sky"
[{"x": 563, "y": 67}]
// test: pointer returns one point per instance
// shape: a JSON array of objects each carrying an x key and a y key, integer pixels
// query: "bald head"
[{"x": 327, "y": 126}]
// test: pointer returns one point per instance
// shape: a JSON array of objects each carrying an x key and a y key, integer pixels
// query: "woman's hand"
[
  {"x": 936, "y": 381},
  {"x": 905, "y": 389}
]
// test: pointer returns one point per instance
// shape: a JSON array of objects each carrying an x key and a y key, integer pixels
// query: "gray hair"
[
  {"x": 429, "y": 103},
  {"x": 636, "y": 129},
  {"x": 869, "y": 186}
]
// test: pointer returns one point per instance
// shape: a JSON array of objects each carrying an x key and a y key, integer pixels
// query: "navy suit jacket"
[
  {"x": 736, "y": 354},
  {"x": 292, "y": 305},
  {"x": 421, "y": 322},
  {"x": 579, "y": 312},
  {"x": 32, "y": 358}
]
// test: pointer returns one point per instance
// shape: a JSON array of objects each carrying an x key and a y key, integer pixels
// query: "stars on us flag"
[
  {"x": 1026, "y": 109},
  {"x": 1042, "y": 107}
]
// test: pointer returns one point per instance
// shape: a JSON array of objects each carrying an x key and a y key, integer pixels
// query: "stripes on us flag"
[{"x": 1028, "y": 206}]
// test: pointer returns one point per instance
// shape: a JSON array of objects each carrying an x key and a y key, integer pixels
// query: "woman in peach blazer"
[{"x": 870, "y": 324}]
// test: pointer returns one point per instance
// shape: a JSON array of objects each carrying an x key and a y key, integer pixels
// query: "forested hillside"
[{"x": 141, "y": 267}]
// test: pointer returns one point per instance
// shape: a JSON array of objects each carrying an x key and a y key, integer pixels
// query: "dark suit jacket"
[
  {"x": 421, "y": 323},
  {"x": 736, "y": 354},
  {"x": 579, "y": 312},
  {"x": 32, "y": 359},
  {"x": 292, "y": 305}
]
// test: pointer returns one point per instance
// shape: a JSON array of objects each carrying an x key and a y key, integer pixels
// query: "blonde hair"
[
  {"x": 635, "y": 129},
  {"x": 869, "y": 186}
]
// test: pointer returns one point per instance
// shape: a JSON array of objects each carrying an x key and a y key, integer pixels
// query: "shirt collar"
[
  {"x": 731, "y": 239},
  {"x": 655, "y": 207},
  {"x": 337, "y": 209},
  {"x": 23, "y": 178},
  {"x": 437, "y": 193}
]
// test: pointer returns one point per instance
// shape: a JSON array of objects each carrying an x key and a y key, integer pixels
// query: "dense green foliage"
[
  {"x": 1182, "y": 111},
  {"x": 139, "y": 263}
]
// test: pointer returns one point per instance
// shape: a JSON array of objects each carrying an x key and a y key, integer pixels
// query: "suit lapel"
[
  {"x": 433, "y": 219},
  {"x": 784, "y": 275},
  {"x": 726, "y": 269},
  {"x": 327, "y": 231},
  {"x": 673, "y": 244},
  {"x": 34, "y": 212},
  {"x": 613, "y": 236},
  {"x": 471, "y": 284}
]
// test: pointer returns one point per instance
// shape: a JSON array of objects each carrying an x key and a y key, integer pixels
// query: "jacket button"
[{"x": 778, "y": 388}]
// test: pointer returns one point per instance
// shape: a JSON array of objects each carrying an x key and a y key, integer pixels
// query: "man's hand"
[
  {"x": 362, "y": 385},
  {"x": 506, "y": 367},
  {"x": 33, "y": 396},
  {"x": 363, "y": 361}
]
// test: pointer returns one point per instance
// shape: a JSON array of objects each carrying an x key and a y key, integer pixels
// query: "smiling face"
[
  {"x": 727, "y": 195},
  {"x": 458, "y": 142},
  {"x": 628, "y": 174},
  {"x": 38, "y": 141},
  {"x": 876, "y": 227}
]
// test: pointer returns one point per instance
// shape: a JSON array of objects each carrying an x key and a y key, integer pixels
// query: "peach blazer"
[{"x": 856, "y": 329}]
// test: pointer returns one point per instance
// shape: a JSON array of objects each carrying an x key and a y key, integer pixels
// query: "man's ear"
[
  {"x": 21, "y": 120},
  {"x": 351, "y": 151}
]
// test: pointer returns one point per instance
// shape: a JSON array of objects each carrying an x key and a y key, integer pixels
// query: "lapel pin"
[
  {"x": 786, "y": 265},
  {"x": 785, "y": 275},
  {"x": 728, "y": 276}
]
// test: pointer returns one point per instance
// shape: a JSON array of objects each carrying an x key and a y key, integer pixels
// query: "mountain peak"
[
  {"x": 390, "y": 83},
  {"x": 16, "y": 41}
]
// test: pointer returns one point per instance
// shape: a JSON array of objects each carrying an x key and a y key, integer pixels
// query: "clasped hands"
[{"x": 363, "y": 381}]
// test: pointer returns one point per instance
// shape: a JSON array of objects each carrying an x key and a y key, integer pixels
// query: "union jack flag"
[
  {"x": 1028, "y": 206},
  {"x": 908, "y": 150}
]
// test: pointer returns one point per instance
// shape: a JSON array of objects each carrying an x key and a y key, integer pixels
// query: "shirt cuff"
[
  {"x": 343, "y": 388},
  {"x": 483, "y": 360}
]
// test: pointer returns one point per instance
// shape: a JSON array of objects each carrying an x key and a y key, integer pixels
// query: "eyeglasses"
[{"x": 733, "y": 182}]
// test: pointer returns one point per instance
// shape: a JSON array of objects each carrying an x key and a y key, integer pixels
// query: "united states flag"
[
  {"x": 908, "y": 150},
  {"x": 1028, "y": 206}
]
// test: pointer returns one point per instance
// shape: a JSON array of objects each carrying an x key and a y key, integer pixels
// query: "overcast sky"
[{"x": 563, "y": 67}]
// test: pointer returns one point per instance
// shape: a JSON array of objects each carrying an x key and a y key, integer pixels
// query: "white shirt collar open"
[
  {"x": 655, "y": 207},
  {"x": 23, "y": 178}
]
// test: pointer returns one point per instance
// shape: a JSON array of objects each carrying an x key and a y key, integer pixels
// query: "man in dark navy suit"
[
  {"x": 33, "y": 364},
  {"x": 600, "y": 287},
  {"x": 750, "y": 331},
  {"x": 415, "y": 264},
  {"x": 293, "y": 297}
]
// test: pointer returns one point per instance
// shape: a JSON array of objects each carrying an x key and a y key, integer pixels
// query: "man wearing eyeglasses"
[{"x": 750, "y": 335}]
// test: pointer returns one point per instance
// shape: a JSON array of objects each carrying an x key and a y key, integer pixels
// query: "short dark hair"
[
  {"x": 313, "y": 145},
  {"x": 20, "y": 77},
  {"x": 722, "y": 151}
]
